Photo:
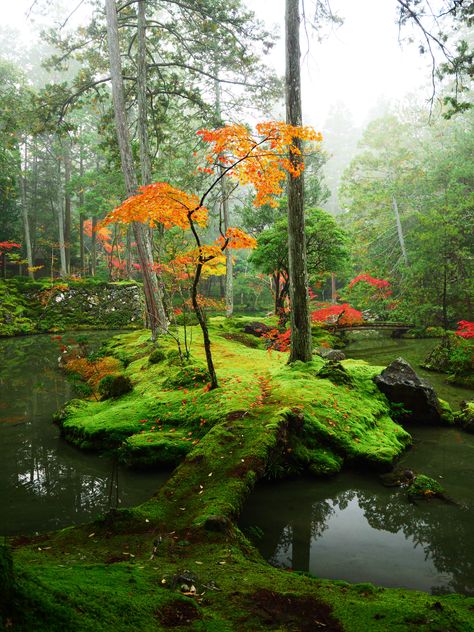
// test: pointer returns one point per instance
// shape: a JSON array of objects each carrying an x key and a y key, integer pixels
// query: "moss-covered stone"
[
  {"x": 465, "y": 417},
  {"x": 447, "y": 415},
  {"x": 425, "y": 487},
  {"x": 34, "y": 307}
]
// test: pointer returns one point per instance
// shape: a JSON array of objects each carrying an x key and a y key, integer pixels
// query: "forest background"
[{"x": 390, "y": 197}]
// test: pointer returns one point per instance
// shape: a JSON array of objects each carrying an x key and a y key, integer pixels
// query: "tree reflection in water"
[
  {"x": 45, "y": 483},
  {"x": 353, "y": 528}
]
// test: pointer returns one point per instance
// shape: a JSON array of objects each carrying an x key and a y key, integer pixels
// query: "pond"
[
  {"x": 351, "y": 527},
  {"x": 45, "y": 483}
]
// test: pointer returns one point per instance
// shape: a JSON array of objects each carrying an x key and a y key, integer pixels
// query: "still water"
[
  {"x": 45, "y": 483},
  {"x": 353, "y": 528}
]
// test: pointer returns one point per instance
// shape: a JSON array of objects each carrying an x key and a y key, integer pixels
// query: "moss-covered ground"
[{"x": 178, "y": 561}]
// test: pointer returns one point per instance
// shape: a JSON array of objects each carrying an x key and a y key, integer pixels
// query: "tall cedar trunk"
[
  {"x": 24, "y": 214},
  {"x": 300, "y": 324},
  {"x": 150, "y": 282},
  {"x": 333, "y": 289},
  {"x": 229, "y": 279},
  {"x": 67, "y": 204},
  {"x": 145, "y": 162},
  {"x": 401, "y": 238},
  {"x": 60, "y": 216},
  {"x": 81, "y": 216},
  {"x": 94, "y": 247}
]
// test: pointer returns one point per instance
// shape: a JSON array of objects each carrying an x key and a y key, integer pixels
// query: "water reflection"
[
  {"x": 44, "y": 482},
  {"x": 352, "y": 528}
]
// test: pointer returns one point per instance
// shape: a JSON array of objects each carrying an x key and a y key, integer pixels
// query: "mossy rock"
[
  {"x": 157, "y": 356},
  {"x": 425, "y": 487},
  {"x": 336, "y": 373},
  {"x": 112, "y": 386},
  {"x": 447, "y": 415},
  {"x": 465, "y": 417}
]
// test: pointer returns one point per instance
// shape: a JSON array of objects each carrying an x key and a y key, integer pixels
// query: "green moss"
[
  {"x": 465, "y": 417},
  {"x": 114, "y": 386},
  {"x": 265, "y": 415},
  {"x": 6, "y": 577},
  {"x": 158, "y": 355},
  {"x": 425, "y": 487},
  {"x": 155, "y": 449},
  {"x": 447, "y": 414}
]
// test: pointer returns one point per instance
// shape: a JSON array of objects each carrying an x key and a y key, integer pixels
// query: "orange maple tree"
[{"x": 261, "y": 159}]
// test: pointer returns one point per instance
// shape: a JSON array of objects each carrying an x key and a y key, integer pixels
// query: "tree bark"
[
  {"x": 60, "y": 216},
  {"x": 81, "y": 215},
  {"x": 145, "y": 162},
  {"x": 94, "y": 247},
  {"x": 300, "y": 324},
  {"x": 67, "y": 204},
  {"x": 24, "y": 213},
  {"x": 229, "y": 264},
  {"x": 153, "y": 293},
  {"x": 401, "y": 238}
]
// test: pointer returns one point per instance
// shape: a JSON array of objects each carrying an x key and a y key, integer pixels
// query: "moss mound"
[
  {"x": 178, "y": 561},
  {"x": 114, "y": 386}
]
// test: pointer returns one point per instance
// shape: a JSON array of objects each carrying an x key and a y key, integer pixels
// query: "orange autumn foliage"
[
  {"x": 259, "y": 159},
  {"x": 159, "y": 203},
  {"x": 262, "y": 160},
  {"x": 237, "y": 238},
  {"x": 93, "y": 371}
]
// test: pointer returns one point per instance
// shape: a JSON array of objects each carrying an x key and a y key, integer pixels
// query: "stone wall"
[{"x": 38, "y": 307}]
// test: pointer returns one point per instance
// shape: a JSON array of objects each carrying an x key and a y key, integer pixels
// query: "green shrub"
[
  {"x": 114, "y": 386},
  {"x": 6, "y": 576},
  {"x": 188, "y": 319}
]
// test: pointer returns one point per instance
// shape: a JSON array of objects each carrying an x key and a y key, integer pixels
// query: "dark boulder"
[
  {"x": 401, "y": 385},
  {"x": 256, "y": 329},
  {"x": 334, "y": 355}
]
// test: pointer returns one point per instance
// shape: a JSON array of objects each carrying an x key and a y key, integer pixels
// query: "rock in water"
[{"x": 401, "y": 385}]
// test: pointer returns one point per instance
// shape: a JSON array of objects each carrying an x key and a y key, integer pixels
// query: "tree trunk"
[
  {"x": 300, "y": 324},
  {"x": 81, "y": 216},
  {"x": 94, "y": 247},
  {"x": 60, "y": 216},
  {"x": 401, "y": 238},
  {"x": 67, "y": 205},
  {"x": 145, "y": 163},
  {"x": 153, "y": 292},
  {"x": 25, "y": 216},
  {"x": 229, "y": 279},
  {"x": 333, "y": 289},
  {"x": 202, "y": 322}
]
